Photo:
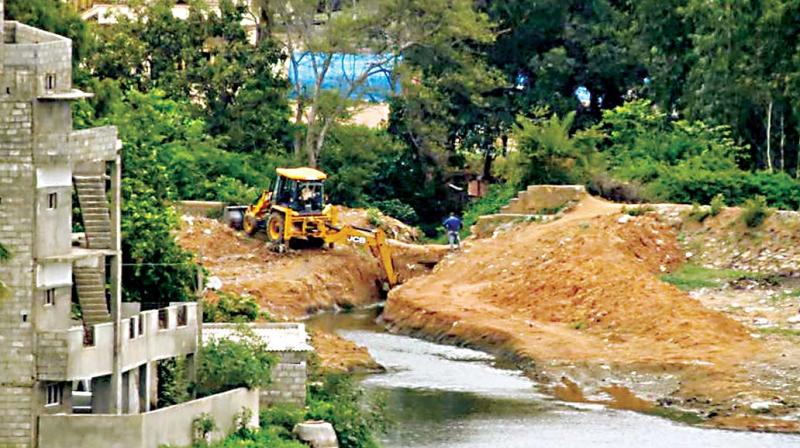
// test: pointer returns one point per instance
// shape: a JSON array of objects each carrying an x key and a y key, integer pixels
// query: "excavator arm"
[
  {"x": 374, "y": 239},
  {"x": 261, "y": 205}
]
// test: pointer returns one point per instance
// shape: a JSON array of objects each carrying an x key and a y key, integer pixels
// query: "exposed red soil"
[
  {"x": 339, "y": 355},
  {"x": 583, "y": 290}
]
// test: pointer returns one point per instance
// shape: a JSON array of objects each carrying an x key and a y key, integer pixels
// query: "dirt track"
[{"x": 580, "y": 297}]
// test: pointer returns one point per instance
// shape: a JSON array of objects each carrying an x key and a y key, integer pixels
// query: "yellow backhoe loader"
[{"x": 295, "y": 209}]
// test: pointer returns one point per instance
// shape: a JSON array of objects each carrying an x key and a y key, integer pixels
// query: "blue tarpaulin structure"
[{"x": 345, "y": 68}]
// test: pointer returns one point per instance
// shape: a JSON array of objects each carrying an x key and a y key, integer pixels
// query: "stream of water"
[{"x": 440, "y": 396}]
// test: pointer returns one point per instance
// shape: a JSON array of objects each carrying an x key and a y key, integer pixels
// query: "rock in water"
[{"x": 317, "y": 434}]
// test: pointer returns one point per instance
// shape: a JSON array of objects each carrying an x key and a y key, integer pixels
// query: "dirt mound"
[
  {"x": 289, "y": 285},
  {"x": 583, "y": 291},
  {"x": 394, "y": 228},
  {"x": 339, "y": 355},
  {"x": 297, "y": 283},
  {"x": 579, "y": 281}
]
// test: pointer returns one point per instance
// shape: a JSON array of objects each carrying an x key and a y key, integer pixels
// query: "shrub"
[
  {"x": 755, "y": 211},
  {"x": 231, "y": 308},
  {"x": 638, "y": 211},
  {"x": 374, "y": 217},
  {"x": 397, "y": 209},
  {"x": 230, "y": 191},
  {"x": 202, "y": 427},
  {"x": 699, "y": 213},
  {"x": 496, "y": 197},
  {"x": 239, "y": 361},
  {"x": 284, "y": 416},
  {"x": 355, "y": 419},
  {"x": 717, "y": 204},
  {"x": 609, "y": 188},
  {"x": 173, "y": 382}
]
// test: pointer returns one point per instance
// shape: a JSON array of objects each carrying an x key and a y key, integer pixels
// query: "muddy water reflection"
[{"x": 440, "y": 396}]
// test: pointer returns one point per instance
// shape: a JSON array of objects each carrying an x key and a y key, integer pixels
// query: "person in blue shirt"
[{"x": 452, "y": 225}]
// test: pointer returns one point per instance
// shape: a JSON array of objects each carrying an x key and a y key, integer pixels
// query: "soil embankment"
[{"x": 581, "y": 298}]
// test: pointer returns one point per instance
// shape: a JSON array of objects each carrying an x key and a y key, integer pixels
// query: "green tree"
[
  {"x": 352, "y": 158},
  {"x": 551, "y": 48},
  {"x": 387, "y": 29},
  {"x": 207, "y": 58},
  {"x": 549, "y": 154},
  {"x": 356, "y": 419}
]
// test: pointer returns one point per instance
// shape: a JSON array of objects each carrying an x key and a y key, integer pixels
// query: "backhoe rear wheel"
[
  {"x": 250, "y": 224},
  {"x": 275, "y": 227}
]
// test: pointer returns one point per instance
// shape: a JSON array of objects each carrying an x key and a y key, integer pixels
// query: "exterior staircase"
[
  {"x": 90, "y": 283},
  {"x": 543, "y": 199},
  {"x": 94, "y": 209}
]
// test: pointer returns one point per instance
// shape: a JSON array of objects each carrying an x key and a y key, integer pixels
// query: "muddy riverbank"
[{"x": 441, "y": 396}]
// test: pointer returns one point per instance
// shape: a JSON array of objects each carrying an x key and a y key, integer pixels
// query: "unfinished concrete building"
[{"x": 47, "y": 349}]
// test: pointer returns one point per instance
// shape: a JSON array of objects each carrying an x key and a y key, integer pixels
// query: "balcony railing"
[{"x": 146, "y": 336}]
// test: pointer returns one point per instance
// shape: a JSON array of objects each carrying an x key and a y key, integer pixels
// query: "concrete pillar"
[
  {"x": 132, "y": 398},
  {"x": 116, "y": 284},
  {"x": 153, "y": 392},
  {"x": 102, "y": 395}
]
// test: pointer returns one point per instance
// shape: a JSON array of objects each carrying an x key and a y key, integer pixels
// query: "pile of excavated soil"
[
  {"x": 339, "y": 355},
  {"x": 300, "y": 282},
  {"x": 290, "y": 285},
  {"x": 394, "y": 228},
  {"x": 583, "y": 290},
  {"x": 580, "y": 290}
]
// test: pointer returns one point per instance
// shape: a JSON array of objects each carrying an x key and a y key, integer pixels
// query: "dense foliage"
[
  {"x": 230, "y": 307},
  {"x": 665, "y": 159},
  {"x": 228, "y": 363}
]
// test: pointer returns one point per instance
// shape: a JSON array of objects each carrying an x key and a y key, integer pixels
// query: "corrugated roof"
[{"x": 280, "y": 337}]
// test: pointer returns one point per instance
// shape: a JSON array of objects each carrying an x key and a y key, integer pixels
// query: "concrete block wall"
[
  {"x": 288, "y": 380},
  {"x": 94, "y": 144},
  {"x": 17, "y": 183},
  {"x": 52, "y": 354},
  {"x": 538, "y": 198},
  {"x": 39, "y": 54}
]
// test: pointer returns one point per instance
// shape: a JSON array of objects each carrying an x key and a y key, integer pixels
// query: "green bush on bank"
[
  {"x": 337, "y": 399},
  {"x": 755, "y": 211},
  {"x": 226, "y": 364},
  {"x": 232, "y": 308},
  {"x": 356, "y": 419}
]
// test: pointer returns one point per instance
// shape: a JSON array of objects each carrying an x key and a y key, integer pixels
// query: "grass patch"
[
  {"x": 690, "y": 418},
  {"x": 787, "y": 295},
  {"x": 640, "y": 210},
  {"x": 692, "y": 276},
  {"x": 786, "y": 332}
]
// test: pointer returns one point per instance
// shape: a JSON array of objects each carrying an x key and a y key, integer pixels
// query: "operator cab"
[{"x": 300, "y": 189}]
